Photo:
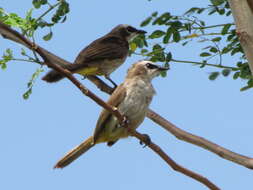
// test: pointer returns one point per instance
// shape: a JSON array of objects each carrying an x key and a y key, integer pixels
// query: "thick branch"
[
  {"x": 188, "y": 137},
  {"x": 114, "y": 111},
  {"x": 199, "y": 141},
  {"x": 244, "y": 26},
  {"x": 180, "y": 134}
]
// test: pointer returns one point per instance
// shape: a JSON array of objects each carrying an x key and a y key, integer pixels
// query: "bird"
[
  {"x": 102, "y": 56},
  {"x": 132, "y": 99}
]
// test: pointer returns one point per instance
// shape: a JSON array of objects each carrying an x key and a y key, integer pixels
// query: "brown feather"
[
  {"x": 115, "y": 99},
  {"x": 75, "y": 153},
  {"x": 105, "y": 48}
]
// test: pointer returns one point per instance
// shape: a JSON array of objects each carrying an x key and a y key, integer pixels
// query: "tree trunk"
[{"x": 243, "y": 15}]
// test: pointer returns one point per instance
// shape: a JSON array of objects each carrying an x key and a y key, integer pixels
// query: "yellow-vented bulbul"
[
  {"x": 102, "y": 56},
  {"x": 132, "y": 99}
]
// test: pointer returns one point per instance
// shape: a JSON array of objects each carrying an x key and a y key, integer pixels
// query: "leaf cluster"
[{"x": 219, "y": 41}]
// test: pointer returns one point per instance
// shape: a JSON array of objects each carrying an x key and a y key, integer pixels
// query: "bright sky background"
[{"x": 35, "y": 133}]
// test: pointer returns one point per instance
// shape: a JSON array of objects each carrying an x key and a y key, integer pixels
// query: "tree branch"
[
  {"x": 114, "y": 111},
  {"x": 201, "y": 142},
  {"x": 180, "y": 134},
  {"x": 243, "y": 17},
  {"x": 188, "y": 137}
]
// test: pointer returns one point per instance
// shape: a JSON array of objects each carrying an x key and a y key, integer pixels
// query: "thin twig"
[
  {"x": 51, "y": 7},
  {"x": 208, "y": 64},
  {"x": 25, "y": 60}
]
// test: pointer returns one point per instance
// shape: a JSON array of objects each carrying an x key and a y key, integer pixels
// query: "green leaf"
[
  {"x": 157, "y": 47},
  {"x": 23, "y": 51},
  {"x": 146, "y": 22},
  {"x": 193, "y": 10},
  {"x": 204, "y": 54},
  {"x": 217, "y": 2},
  {"x": 168, "y": 57},
  {"x": 176, "y": 25},
  {"x": 154, "y": 14},
  {"x": 202, "y": 23},
  {"x": 226, "y": 72},
  {"x": 43, "y": 2},
  {"x": 64, "y": 19},
  {"x": 162, "y": 19},
  {"x": 133, "y": 46},
  {"x": 217, "y": 39},
  {"x": 176, "y": 36},
  {"x": 235, "y": 50},
  {"x": 213, "y": 75},
  {"x": 228, "y": 13},
  {"x": 166, "y": 38},
  {"x": 236, "y": 75},
  {"x": 143, "y": 51},
  {"x": 163, "y": 73},
  {"x": 250, "y": 85},
  {"x": 36, "y": 4},
  {"x": 31, "y": 82},
  {"x": 225, "y": 29},
  {"x": 213, "y": 49},
  {"x": 221, "y": 11},
  {"x": 157, "y": 34},
  {"x": 27, "y": 93},
  {"x": 48, "y": 36},
  {"x": 225, "y": 50}
]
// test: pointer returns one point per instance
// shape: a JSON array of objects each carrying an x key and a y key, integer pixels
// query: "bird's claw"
[{"x": 146, "y": 141}]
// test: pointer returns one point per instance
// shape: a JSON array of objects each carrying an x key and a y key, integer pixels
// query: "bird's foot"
[
  {"x": 113, "y": 83},
  {"x": 146, "y": 141}
]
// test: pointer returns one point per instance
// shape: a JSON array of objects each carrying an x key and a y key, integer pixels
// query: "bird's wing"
[
  {"x": 116, "y": 98},
  {"x": 108, "y": 47}
]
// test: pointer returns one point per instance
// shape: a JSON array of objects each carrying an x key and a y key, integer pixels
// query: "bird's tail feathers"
[
  {"x": 53, "y": 76},
  {"x": 75, "y": 153}
]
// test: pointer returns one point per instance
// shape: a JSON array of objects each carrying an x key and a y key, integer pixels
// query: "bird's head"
[
  {"x": 145, "y": 69},
  {"x": 127, "y": 32}
]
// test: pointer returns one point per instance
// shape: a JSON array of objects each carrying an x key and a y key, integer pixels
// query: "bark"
[{"x": 243, "y": 16}]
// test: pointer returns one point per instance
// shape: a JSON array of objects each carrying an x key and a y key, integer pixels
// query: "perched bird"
[
  {"x": 102, "y": 56},
  {"x": 132, "y": 99}
]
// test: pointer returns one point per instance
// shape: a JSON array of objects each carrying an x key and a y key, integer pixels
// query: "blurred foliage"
[
  {"x": 53, "y": 14},
  {"x": 219, "y": 41}
]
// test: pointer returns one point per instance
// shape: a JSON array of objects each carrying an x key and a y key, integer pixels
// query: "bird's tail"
[
  {"x": 53, "y": 76},
  {"x": 75, "y": 153}
]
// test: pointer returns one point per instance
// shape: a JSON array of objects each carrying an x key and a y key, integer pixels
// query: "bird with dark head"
[
  {"x": 132, "y": 99},
  {"x": 102, "y": 56}
]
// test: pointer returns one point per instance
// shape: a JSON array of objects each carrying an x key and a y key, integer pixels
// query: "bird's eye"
[
  {"x": 131, "y": 29},
  {"x": 151, "y": 66}
]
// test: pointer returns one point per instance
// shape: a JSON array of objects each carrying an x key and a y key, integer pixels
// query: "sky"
[{"x": 35, "y": 133}]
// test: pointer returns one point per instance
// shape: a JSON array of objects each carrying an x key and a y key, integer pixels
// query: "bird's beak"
[
  {"x": 141, "y": 32},
  {"x": 162, "y": 68}
]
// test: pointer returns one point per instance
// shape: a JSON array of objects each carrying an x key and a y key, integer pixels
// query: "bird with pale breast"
[
  {"x": 132, "y": 99},
  {"x": 102, "y": 56}
]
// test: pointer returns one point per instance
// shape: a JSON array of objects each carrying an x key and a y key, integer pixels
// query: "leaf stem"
[
  {"x": 203, "y": 63},
  {"x": 51, "y": 7}
]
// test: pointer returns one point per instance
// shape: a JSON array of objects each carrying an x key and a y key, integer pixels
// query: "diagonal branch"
[
  {"x": 184, "y": 135},
  {"x": 180, "y": 134},
  {"x": 113, "y": 110}
]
